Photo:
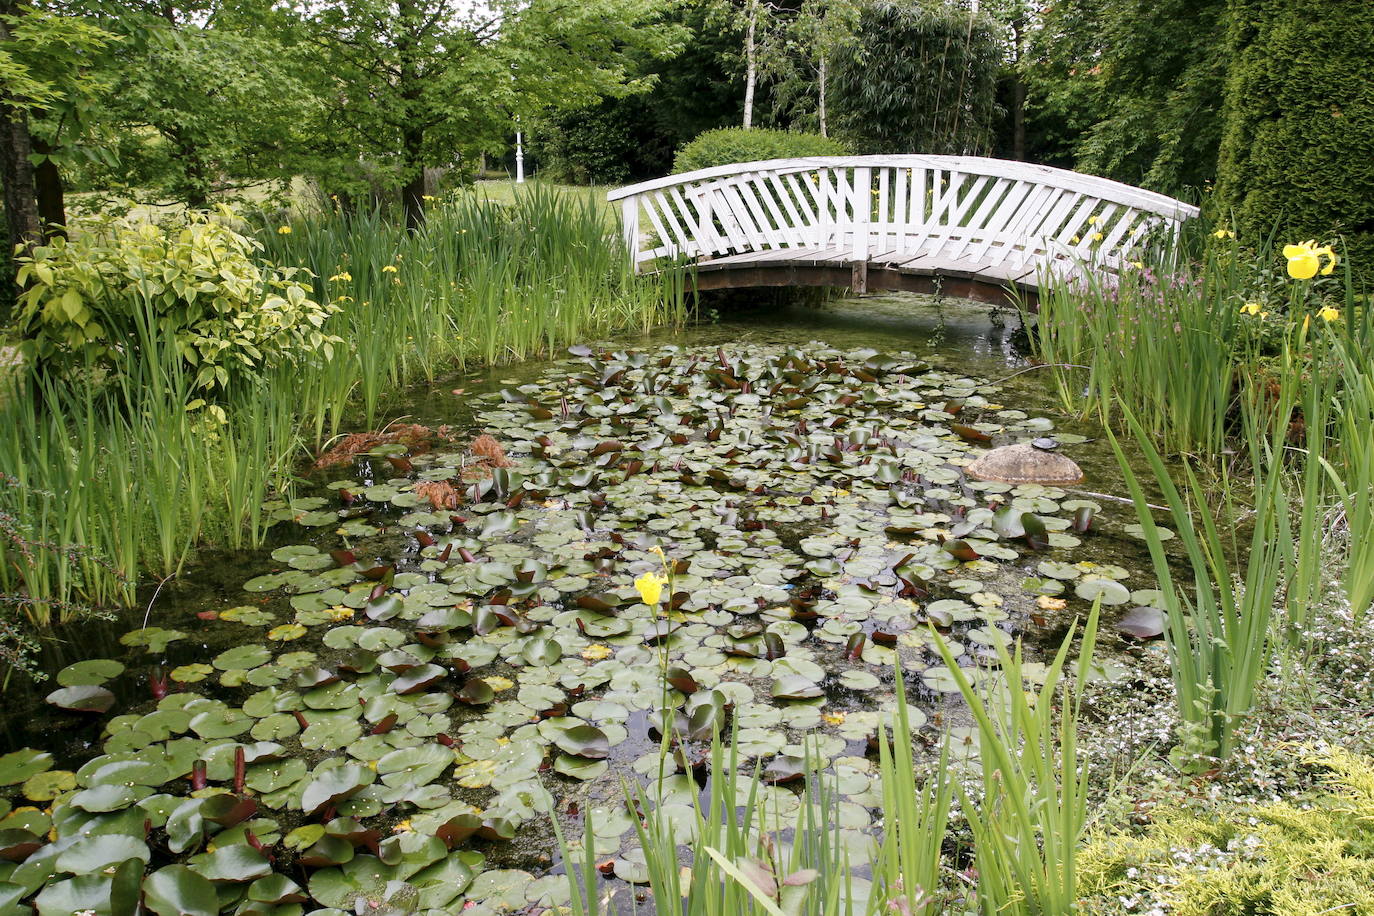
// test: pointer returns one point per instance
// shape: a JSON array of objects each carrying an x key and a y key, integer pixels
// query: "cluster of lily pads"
[{"x": 421, "y": 680}]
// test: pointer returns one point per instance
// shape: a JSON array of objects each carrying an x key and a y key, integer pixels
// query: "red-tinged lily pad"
[
  {"x": 960, "y": 550},
  {"x": 681, "y": 679},
  {"x": 475, "y": 692},
  {"x": 417, "y": 679},
  {"x": 584, "y": 741},
  {"x": 18, "y": 845},
  {"x": 1143, "y": 623},
  {"x": 88, "y": 698}
]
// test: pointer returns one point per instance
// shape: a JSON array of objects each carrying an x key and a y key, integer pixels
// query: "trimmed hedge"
[
  {"x": 1297, "y": 155},
  {"x": 735, "y": 144}
]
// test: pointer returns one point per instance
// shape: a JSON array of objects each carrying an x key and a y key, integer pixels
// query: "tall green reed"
[
  {"x": 1217, "y": 634},
  {"x": 1032, "y": 809},
  {"x": 1160, "y": 340}
]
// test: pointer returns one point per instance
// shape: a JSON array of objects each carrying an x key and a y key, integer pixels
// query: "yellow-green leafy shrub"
[
  {"x": 1291, "y": 858},
  {"x": 195, "y": 284}
]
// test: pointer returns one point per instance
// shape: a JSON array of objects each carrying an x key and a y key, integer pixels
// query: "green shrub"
[
  {"x": 1299, "y": 858},
  {"x": 735, "y": 144},
  {"x": 1297, "y": 154},
  {"x": 195, "y": 284}
]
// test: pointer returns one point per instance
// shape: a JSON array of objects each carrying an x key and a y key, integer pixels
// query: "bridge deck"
[{"x": 897, "y": 222}]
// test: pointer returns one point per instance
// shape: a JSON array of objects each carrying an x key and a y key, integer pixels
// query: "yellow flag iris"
[
  {"x": 1305, "y": 259},
  {"x": 650, "y": 587},
  {"x": 1329, "y": 313}
]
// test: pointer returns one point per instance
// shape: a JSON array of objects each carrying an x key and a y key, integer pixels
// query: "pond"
[{"x": 439, "y": 646}]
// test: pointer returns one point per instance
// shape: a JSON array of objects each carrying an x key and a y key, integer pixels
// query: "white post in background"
[{"x": 519, "y": 157}]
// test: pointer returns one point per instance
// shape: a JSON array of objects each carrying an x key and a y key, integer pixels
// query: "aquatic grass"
[
  {"x": 1217, "y": 634},
  {"x": 1161, "y": 340},
  {"x": 1351, "y": 469},
  {"x": 1032, "y": 810},
  {"x": 915, "y": 820}
]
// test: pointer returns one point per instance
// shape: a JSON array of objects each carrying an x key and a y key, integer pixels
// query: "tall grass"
[
  {"x": 1217, "y": 633},
  {"x": 481, "y": 281},
  {"x": 1160, "y": 340},
  {"x": 1033, "y": 807},
  {"x": 112, "y": 460}
]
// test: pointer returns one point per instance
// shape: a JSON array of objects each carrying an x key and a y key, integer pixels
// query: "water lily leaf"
[
  {"x": 16, "y": 845},
  {"x": 49, "y": 785},
  {"x": 84, "y": 893},
  {"x": 176, "y": 890},
  {"x": 332, "y": 786},
  {"x": 476, "y": 692},
  {"x": 417, "y": 679},
  {"x": 286, "y": 632},
  {"x": 88, "y": 699},
  {"x": 221, "y": 723},
  {"x": 276, "y": 889},
  {"x": 101, "y": 799},
  {"x": 91, "y": 672},
  {"x": 584, "y": 741},
  {"x": 154, "y": 639},
  {"x": 542, "y": 652},
  {"x": 245, "y": 657},
  {"x": 1108, "y": 590},
  {"x": 18, "y": 766},
  {"x": 414, "y": 765},
  {"x": 1143, "y": 623},
  {"x": 796, "y": 687},
  {"x": 237, "y": 863},
  {"x": 579, "y": 767},
  {"x": 92, "y": 854}
]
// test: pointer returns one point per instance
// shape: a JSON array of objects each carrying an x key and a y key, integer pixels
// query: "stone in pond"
[{"x": 1024, "y": 463}]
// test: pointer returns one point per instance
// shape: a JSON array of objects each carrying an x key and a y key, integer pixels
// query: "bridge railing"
[{"x": 988, "y": 216}]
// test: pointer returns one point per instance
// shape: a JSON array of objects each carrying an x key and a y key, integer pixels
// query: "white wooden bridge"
[{"x": 982, "y": 228}]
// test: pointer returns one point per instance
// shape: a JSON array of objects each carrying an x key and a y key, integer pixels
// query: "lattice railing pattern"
[{"x": 988, "y": 216}]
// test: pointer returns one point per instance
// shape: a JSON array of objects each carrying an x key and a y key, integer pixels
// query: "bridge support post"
[{"x": 858, "y": 283}]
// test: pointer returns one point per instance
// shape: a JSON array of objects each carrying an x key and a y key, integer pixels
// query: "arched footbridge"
[{"x": 987, "y": 229}]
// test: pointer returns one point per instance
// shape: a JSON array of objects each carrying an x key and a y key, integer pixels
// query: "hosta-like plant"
[{"x": 194, "y": 283}]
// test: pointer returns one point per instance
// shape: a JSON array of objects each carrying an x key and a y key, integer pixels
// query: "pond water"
[{"x": 435, "y": 647}]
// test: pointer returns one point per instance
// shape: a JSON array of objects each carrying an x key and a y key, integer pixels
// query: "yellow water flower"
[
  {"x": 389, "y": 269},
  {"x": 342, "y": 276},
  {"x": 283, "y": 230},
  {"x": 1224, "y": 234},
  {"x": 1329, "y": 313},
  {"x": 1250, "y": 308},
  {"x": 1305, "y": 259},
  {"x": 650, "y": 587}
]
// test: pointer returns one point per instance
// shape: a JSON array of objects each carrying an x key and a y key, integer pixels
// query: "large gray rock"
[{"x": 1024, "y": 463}]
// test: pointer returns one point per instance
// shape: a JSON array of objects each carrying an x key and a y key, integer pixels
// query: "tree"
[
  {"x": 416, "y": 83},
  {"x": 47, "y": 86},
  {"x": 801, "y": 72},
  {"x": 919, "y": 76},
  {"x": 1298, "y": 152}
]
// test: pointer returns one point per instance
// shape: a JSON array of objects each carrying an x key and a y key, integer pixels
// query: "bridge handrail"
[
  {"x": 1139, "y": 198},
  {"x": 1008, "y": 212}
]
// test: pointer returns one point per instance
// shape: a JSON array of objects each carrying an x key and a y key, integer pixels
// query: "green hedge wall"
[
  {"x": 1297, "y": 154},
  {"x": 735, "y": 144}
]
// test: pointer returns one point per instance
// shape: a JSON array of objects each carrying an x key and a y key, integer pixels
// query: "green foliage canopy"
[
  {"x": 1298, "y": 153},
  {"x": 918, "y": 77}
]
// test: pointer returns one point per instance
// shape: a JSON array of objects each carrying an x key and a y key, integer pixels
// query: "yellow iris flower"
[
  {"x": 650, "y": 587},
  {"x": 1304, "y": 259},
  {"x": 1250, "y": 308},
  {"x": 1329, "y": 313}
]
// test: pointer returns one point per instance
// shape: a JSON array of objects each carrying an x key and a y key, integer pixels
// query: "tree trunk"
[
  {"x": 52, "y": 204},
  {"x": 820, "y": 107},
  {"x": 413, "y": 200},
  {"x": 16, "y": 169},
  {"x": 1018, "y": 118},
  {"x": 750, "y": 64},
  {"x": 16, "y": 172}
]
